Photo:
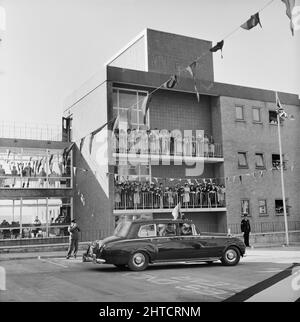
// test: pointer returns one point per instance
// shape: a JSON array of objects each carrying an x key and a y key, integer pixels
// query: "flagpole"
[{"x": 282, "y": 183}]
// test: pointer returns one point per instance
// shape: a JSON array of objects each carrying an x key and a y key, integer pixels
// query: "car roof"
[{"x": 161, "y": 221}]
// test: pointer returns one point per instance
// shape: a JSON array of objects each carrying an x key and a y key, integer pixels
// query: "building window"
[
  {"x": 276, "y": 161},
  {"x": 273, "y": 117},
  {"x": 259, "y": 161},
  {"x": 262, "y": 205},
  {"x": 35, "y": 168},
  {"x": 256, "y": 114},
  {"x": 133, "y": 99},
  {"x": 245, "y": 207},
  {"x": 35, "y": 218},
  {"x": 279, "y": 206},
  {"x": 239, "y": 113},
  {"x": 242, "y": 160}
]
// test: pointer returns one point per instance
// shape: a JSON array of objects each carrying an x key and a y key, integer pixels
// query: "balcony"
[
  {"x": 164, "y": 150},
  {"x": 36, "y": 182},
  {"x": 165, "y": 202}
]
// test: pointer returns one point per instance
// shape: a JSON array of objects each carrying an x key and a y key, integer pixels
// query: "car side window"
[
  {"x": 165, "y": 230},
  {"x": 147, "y": 231}
]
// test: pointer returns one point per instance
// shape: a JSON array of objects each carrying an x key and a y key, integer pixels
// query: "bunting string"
[
  {"x": 172, "y": 81},
  {"x": 240, "y": 177}
]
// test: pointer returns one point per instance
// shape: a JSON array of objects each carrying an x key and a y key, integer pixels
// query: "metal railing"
[
  {"x": 148, "y": 200},
  {"x": 192, "y": 147},
  {"x": 45, "y": 132},
  {"x": 36, "y": 182},
  {"x": 266, "y": 227}
]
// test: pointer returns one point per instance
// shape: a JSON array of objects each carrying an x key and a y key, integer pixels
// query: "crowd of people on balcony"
[
  {"x": 28, "y": 175},
  {"x": 149, "y": 195},
  {"x": 36, "y": 228},
  {"x": 164, "y": 142}
]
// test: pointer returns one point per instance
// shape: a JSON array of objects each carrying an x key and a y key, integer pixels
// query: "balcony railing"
[
  {"x": 17, "y": 182},
  {"x": 188, "y": 148},
  {"x": 45, "y": 132},
  {"x": 148, "y": 200}
]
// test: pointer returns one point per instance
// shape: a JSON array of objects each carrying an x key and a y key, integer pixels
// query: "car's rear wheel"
[
  {"x": 138, "y": 261},
  {"x": 231, "y": 256}
]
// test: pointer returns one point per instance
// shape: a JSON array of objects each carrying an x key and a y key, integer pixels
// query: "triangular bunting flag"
[
  {"x": 67, "y": 152},
  {"x": 172, "y": 82},
  {"x": 290, "y": 4},
  {"x": 252, "y": 22},
  {"x": 50, "y": 159},
  {"x": 192, "y": 70},
  {"x": 218, "y": 46},
  {"x": 81, "y": 144},
  {"x": 145, "y": 106}
]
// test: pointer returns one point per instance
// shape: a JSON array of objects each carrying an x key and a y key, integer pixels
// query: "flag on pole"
[
  {"x": 280, "y": 110},
  {"x": 252, "y": 22},
  {"x": 278, "y": 103},
  {"x": 218, "y": 46},
  {"x": 176, "y": 212},
  {"x": 290, "y": 4},
  {"x": 170, "y": 83},
  {"x": 145, "y": 106}
]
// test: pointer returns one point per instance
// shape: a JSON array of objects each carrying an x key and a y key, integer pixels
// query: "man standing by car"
[
  {"x": 245, "y": 228},
  {"x": 74, "y": 230}
]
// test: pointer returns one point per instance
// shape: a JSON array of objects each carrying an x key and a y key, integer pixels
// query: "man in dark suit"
[
  {"x": 245, "y": 228},
  {"x": 74, "y": 237}
]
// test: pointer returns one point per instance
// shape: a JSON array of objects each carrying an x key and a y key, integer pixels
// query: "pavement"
[{"x": 265, "y": 274}]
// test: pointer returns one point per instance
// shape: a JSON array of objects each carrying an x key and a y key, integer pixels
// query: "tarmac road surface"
[{"x": 263, "y": 275}]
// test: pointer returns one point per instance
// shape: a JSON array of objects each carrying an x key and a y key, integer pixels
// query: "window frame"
[
  {"x": 248, "y": 200},
  {"x": 246, "y": 159},
  {"x": 148, "y": 236},
  {"x": 263, "y": 161},
  {"x": 243, "y": 113},
  {"x": 259, "y": 113},
  {"x": 266, "y": 207}
]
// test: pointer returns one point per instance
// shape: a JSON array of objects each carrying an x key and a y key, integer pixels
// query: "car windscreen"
[{"x": 122, "y": 229}]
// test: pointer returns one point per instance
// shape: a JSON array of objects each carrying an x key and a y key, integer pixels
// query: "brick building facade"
[{"x": 238, "y": 119}]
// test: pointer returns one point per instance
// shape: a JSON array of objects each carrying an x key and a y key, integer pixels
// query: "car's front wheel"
[
  {"x": 138, "y": 261},
  {"x": 231, "y": 256}
]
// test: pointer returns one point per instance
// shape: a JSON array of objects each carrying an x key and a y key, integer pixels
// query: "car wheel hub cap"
[
  {"x": 139, "y": 259},
  {"x": 231, "y": 255}
]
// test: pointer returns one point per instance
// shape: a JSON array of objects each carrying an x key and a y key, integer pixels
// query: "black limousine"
[{"x": 141, "y": 242}]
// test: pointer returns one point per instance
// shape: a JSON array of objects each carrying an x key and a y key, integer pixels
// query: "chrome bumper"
[{"x": 87, "y": 258}]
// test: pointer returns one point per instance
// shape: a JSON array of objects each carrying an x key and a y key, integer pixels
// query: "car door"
[
  {"x": 207, "y": 246},
  {"x": 168, "y": 243},
  {"x": 176, "y": 246}
]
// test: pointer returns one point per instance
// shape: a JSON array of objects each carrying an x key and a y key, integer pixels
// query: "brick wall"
[
  {"x": 255, "y": 138},
  {"x": 173, "y": 110},
  {"x": 168, "y": 53}
]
